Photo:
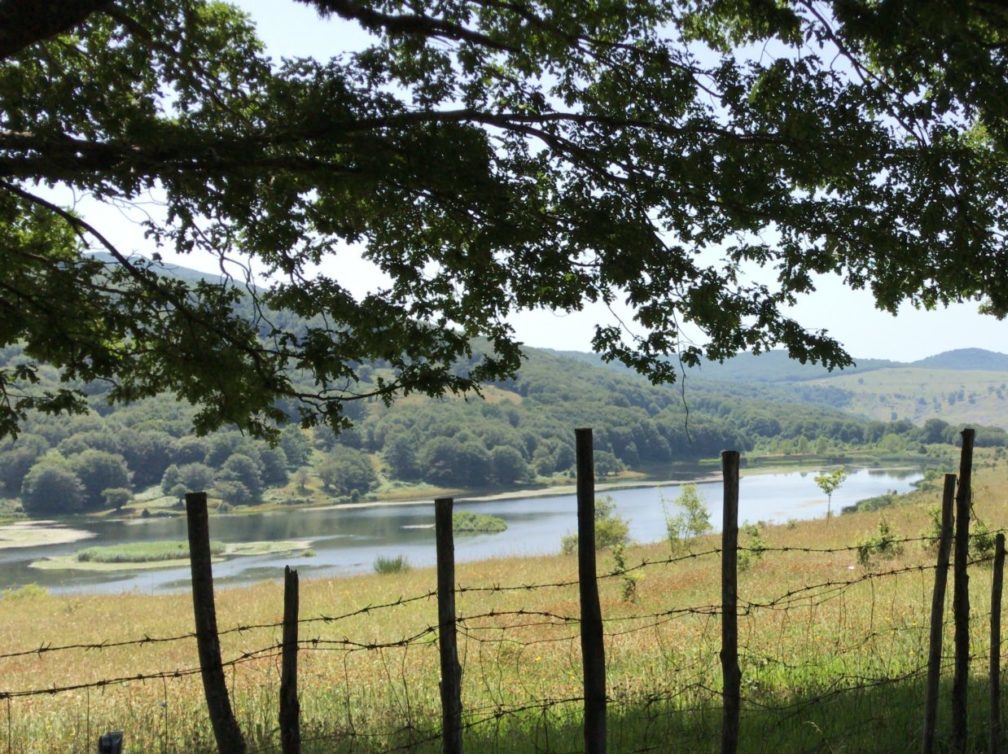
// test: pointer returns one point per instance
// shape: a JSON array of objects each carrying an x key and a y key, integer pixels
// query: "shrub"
[
  {"x": 398, "y": 564},
  {"x": 981, "y": 542},
  {"x": 753, "y": 546},
  {"x": 26, "y": 592},
  {"x": 693, "y": 519},
  {"x": 628, "y": 579},
  {"x": 610, "y": 530},
  {"x": 883, "y": 544}
]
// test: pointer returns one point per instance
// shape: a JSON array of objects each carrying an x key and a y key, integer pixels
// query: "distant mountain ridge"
[
  {"x": 777, "y": 366},
  {"x": 969, "y": 359}
]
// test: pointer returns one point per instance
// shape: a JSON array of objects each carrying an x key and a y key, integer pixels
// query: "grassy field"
[{"x": 832, "y": 651}]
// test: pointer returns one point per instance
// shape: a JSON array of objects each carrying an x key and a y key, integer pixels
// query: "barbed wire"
[{"x": 865, "y": 669}]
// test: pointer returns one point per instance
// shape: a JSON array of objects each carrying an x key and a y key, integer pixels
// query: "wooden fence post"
[
  {"x": 592, "y": 639},
  {"x": 995, "y": 645},
  {"x": 937, "y": 616},
  {"x": 225, "y": 727},
  {"x": 730, "y": 673},
  {"x": 290, "y": 708},
  {"x": 960, "y": 596},
  {"x": 451, "y": 671}
]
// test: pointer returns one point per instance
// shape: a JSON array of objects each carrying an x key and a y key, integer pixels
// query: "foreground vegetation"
[{"x": 832, "y": 649}]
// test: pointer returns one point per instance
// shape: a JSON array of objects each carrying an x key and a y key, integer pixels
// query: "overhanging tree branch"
[{"x": 25, "y": 22}]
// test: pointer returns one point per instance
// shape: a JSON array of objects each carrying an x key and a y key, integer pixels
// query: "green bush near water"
[
  {"x": 610, "y": 530},
  {"x": 142, "y": 552},
  {"x": 398, "y": 564}
]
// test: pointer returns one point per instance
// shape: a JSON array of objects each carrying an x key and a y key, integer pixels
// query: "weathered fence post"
[
  {"x": 730, "y": 673},
  {"x": 451, "y": 671},
  {"x": 225, "y": 727},
  {"x": 592, "y": 640},
  {"x": 290, "y": 709},
  {"x": 995, "y": 645},
  {"x": 960, "y": 596},
  {"x": 937, "y": 616}
]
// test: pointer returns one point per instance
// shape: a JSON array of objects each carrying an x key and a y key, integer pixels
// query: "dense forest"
[{"x": 519, "y": 432}]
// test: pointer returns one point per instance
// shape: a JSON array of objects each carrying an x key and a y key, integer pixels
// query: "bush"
[
  {"x": 981, "y": 542},
  {"x": 753, "y": 547},
  {"x": 610, "y": 530},
  {"x": 692, "y": 521},
  {"x": 26, "y": 592},
  {"x": 398, "y": 564},
  {"x": 883, "y": 544}
]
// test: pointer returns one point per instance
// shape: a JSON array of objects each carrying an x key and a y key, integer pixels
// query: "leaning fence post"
[
  {"x": 730, "y": 673},
  {"x": 290, "y": 709},
  {"x": 960, "y": 596},
  {"x": 937, "y": 616},
  {"x": 225, "y": 727},
  {"x": 995, "y": 645},
  {"x": 592, "y": 641},
  {"x": 451, "y": 671}
]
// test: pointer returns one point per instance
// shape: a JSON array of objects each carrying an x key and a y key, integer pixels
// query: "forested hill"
[
  {"x": 961, "y": 387},
  {"x": 966, "y": 359},
  {"x": 520, "y": 432}
]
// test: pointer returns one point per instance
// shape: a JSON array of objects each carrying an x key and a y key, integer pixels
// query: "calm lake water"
[{"x": 347, "y": 541}]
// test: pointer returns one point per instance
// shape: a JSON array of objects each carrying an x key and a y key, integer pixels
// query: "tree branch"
[
  {"x": 25, "y": 22},
  {"x": 404, "y": 24}
]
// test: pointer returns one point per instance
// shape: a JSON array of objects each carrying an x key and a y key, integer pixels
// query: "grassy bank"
[
  {"x": 832, "y": 652},
  {"x": 165, "y": 554}
]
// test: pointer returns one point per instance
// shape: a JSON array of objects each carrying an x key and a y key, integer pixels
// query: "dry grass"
[{"x": 830, "y": 668}]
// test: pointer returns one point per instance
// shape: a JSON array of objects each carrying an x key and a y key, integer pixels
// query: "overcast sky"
[{"x": 293, "y": 29}]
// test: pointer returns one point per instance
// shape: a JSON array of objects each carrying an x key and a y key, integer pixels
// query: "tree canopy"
[{"x": 487, "y": 157}]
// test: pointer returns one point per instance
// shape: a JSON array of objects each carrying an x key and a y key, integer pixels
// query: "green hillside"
[
  {"x": 519, "y": 434},
  {"x": 956, "y": 396},
  {"x": 972, "y": 359},
  {"x": 768, "y": 368}
]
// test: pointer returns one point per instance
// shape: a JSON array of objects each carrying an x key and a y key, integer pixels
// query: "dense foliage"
[
  {"x": 487, "y": 158},
  {"x": 520, "y": 432}
]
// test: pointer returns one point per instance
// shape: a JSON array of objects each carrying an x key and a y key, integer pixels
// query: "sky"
[{"x": 294, "y": 29}]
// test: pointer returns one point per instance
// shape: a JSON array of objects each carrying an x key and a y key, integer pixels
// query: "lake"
[{"x": 347, "y": 540}]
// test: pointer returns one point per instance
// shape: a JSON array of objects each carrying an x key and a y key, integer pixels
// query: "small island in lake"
[{"x": 466, "y": 522}]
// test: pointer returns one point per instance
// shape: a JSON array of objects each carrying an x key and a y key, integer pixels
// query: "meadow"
[
  {"x": 832, "y": 649},
  {"x": 961, "y": 397}
]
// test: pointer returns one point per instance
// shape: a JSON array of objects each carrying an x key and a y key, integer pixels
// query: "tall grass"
[{"x": 832, "y": 653}]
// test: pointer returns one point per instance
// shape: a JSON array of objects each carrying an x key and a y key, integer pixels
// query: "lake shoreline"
[
  {"x": 50, "y": 532},
  {"x": 559, "y": 490}
]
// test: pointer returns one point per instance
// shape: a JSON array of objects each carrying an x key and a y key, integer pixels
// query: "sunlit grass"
[{"x": 835, "y": 668}]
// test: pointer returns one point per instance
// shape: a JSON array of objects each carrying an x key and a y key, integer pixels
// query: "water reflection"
[{"x": 347, "y": 541}]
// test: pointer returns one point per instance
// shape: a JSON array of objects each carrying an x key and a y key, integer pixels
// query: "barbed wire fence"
[{"x": 826, "y": 662}]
